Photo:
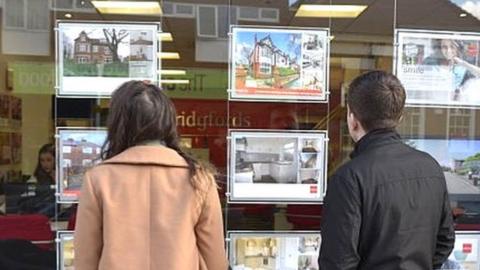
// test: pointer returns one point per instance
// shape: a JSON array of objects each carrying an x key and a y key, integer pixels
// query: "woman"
[
  {"x": 43, "y": 200},
  {"x": 44, "y": 173},
  {"x": 148, "y": 205},
  {"x": 450, "y": 53}
]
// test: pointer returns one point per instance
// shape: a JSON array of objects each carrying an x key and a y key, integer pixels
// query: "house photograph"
[
  {"x": 79, "y": 151},
  {"x": 113, "y": 53},
  {"x": 96, "y": 51},
  {"x": 278, "y": 64},
  {"x": 274, "y": 251},
  {"x": 141, "y": 46},
  {"x": 271, "y": 60}
]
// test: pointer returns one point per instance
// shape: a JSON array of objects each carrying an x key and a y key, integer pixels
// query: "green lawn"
[
  {"x": 286, "y": 71},
  {"x": 71, "y": 69}
]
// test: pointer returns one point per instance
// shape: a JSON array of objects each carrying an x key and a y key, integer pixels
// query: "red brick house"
[
  {"x": 78, "y": 155},
  {"x": 91, "y": 51}
]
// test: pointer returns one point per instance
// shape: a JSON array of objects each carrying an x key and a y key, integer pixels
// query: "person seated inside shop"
[{"x": 40, "y": 192}]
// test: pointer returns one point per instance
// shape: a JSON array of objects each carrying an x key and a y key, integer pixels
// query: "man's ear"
[{"x": 354, "y": 123}]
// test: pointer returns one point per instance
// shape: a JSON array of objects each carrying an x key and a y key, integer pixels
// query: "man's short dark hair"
[{"x": 376, "y": 98}]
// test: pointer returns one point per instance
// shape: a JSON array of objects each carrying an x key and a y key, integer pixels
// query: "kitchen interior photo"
[{"x": 277, "y": 160}]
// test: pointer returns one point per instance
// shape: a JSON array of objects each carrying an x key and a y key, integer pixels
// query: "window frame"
[{"x": 25, "y": 19}]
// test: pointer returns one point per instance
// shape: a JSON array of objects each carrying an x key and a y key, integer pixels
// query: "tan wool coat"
[{"x": 139, "y": 211}]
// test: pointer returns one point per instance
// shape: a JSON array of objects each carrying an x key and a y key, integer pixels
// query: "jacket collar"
[
  {"x": 375, "y": 138},
  {"x": 149, "y": 155}
]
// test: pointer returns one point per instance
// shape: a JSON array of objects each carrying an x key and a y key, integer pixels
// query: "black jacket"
[{"x": 386, "y": 209}]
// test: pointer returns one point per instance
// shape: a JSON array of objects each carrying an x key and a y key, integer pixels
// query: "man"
[{"x": 388, "y": 207}]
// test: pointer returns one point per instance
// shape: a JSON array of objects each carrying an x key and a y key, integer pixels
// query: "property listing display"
[
  {"x": 440, "y": 69},
  {"x": 279, "y": 64},
  {"x": 466, "y": 253},
  {"x": 277, "y": 166},
  {"x": 274, "y": 250},
  {"x": 460, "y": 160},
  {"x": 65, "y": 250},
  {"x": 77, "y": 150},
  {"x": 95, "y": 58}
]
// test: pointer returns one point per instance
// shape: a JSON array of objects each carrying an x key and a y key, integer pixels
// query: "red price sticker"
[{"x": 467, "y": 248}]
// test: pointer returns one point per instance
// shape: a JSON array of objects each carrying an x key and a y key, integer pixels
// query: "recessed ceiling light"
[
  {"x": 172, "y": 72},
  {"x": 174, "y": 81},
  {"x": 68, "y": 16},
  {"x": 331, "y": 11},
  {"x": 165, "y": 36},
  {"x": 128, "y": 7},
  {"x": 169, "y": 55},
  {"x": 463, "y": 15}
]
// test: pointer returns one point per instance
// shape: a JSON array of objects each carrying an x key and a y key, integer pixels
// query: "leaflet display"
[
  {"x": 96, "y": 58},
  {"x": 65, "y": 250},
  {"x": 274, "y": 250},
  {"x": 440, "y": 69},
  {"x": 466, "y": 252},
  {"x": 278, "y": 64},
  {"x": 277, "y": 166},
  {"x": 77, "y": 150}
]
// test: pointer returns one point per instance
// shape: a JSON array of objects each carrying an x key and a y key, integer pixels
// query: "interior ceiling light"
[
  {"x": 128, "y": 7},
  {"x": 330, "y": 11},
  {"x": 169, "y": 55},
  {"x": 68, "y": 16},
  {"x": 165, "y": 36},
  {"x": 174, "y": 81},
  {"x": 463, "y": 15},
  {"x": 172, "y": 72}
]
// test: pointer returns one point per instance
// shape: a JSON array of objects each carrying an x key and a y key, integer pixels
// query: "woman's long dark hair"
[
  {"x": 42, "y": 176},
  {"x": 141, "y": 112}
]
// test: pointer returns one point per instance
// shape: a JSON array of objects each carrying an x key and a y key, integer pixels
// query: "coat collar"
[
  {"x": 149, "y": 155},
  {"x": 375, "y": 138}
]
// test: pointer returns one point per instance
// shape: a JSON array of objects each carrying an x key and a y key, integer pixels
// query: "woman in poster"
[{"x": 451, "y": 54}]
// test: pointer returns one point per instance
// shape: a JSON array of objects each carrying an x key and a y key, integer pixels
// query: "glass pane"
[{"x": 15, "y": 13}]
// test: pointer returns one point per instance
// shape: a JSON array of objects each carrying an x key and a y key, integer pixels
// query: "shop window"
[
  {"x": 183, "y": 10},
  {"x": 62, "y": 4},
  {"x": 179, "y": 10},
  {"x": 32, "y": 15},
  {"x": 207, "y": 21},
  {"x": 413, "y": 123},
  {"x": 248, "y": 13},
  {"x": 38, "y": 16},
  {"x": 258, "y": 14},
  {"x": 84, "y": 4},
  {"x": 461, "y": 123},
  {"x": 167, "y": 9},
  {"x": 14, "y": 14},
  {"x": 87, "y": 150},
  {"x": 269, "y": 14},
  {"x": 68, "y": 5}
]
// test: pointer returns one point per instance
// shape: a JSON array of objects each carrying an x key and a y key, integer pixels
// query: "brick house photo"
[
  {"x": 77, "y": 157},
  {"x": 91, "y": 50}
]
